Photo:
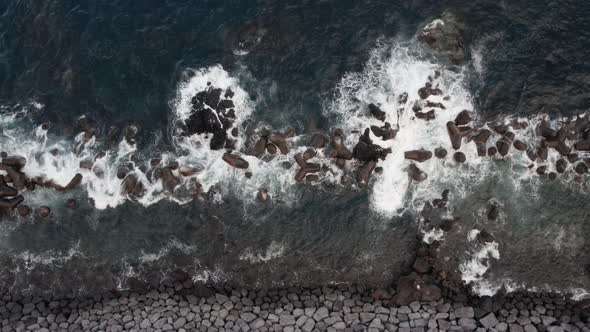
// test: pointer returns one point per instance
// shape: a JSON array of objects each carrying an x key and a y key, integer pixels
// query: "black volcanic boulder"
[
  {"x": 503, "y": 146},
  {"x": 5, "y": 190},
  {"x": 307, "y": 169},
  {"x": 16, "y": 162},
  {"x": 280, "y": 140},
  {"x": 463, "y": 118},
  {"x": 519, "y": 145},
  {"x": 365, "y": 150},
  {"x": 416, "y": 173},
  {"x": 340, "y": 150},
  {"x": 427, "y": 90},
  {"x": 492, "y": 150},
  {"x": 418, "y": 155},
  {"x": 385, "y": 132},
  {"x": 11, "y": 203},
  {"x": 563, "y": 148},
  {"x": 235, "y": 161},
  {"x": 377, "y": 112},
  {"x": 440, "y": 152},
  {"x": 581, "y": 168},
  {"x": 459, "y": 157},
  {"x": 318, "y": 140},
  {"x": 426, "y": 116},
  {"x": 204, "y": 121},
  {"x": 454, "y": 135},
  {"x": 210, "y": 114},
  {"x": 560, "y": 165},
  {"x": 481, "y": 139}
]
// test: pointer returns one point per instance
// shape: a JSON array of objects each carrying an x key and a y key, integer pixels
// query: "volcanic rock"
[
  {"x": 308, "y": 168},
  {"x": 263, "y": 195},
  {"x": 428, "y": 91},
  {"x": 459, "y": 157},
  {"x": 23, "y": 210},
  {"x": 418, "y": 155},
  {"x": 11, "y": 203},
  {"x": 271, "y": 149},
  {"x": 308, "y": 154},
  {"x": 454, "y": 135},
  {"x": 364, "y": 172},
  {"x": 416, "y": 173},
  {"x": 519, "y": 145},
  {"x": 365, "y": 150},
  {"x": 581, "y": 168},
  {"x": 376, "y": 112},
  {"x": 440, "y": 152},
  {"x": 318, "y": 141},
  {"x": 5, "y": 190},
  {"x": 503, "y": 146},
  {"x": 235, "y": 161},
  {"x": 43, "y": 211},
  {"x": 463, "y": 118}
]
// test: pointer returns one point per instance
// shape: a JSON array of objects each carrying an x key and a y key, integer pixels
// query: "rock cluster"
[
  {"x": 14, "y": 181},
  {"x": 343, "y": 308},
  {"x": 214, "y": 115}
]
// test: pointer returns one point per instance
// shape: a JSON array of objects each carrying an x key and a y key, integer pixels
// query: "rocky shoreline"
[{"x": 190, "y": 307}]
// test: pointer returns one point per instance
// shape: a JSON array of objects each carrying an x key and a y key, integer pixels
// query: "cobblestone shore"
[{"x": 343, "y": 308}]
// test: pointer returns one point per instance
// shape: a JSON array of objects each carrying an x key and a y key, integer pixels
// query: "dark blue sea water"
[{"x": 124, "y": 62}]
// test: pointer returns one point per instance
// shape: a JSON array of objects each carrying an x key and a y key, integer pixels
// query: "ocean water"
[{"x": 311, "y": 65}]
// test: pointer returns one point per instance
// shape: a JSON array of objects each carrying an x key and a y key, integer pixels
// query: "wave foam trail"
[{"x": 273, "y": 251}]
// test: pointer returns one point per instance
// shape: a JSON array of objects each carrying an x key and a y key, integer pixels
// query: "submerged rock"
[
  {"x": 23, "y": 210},
  {"x": 445, "y": 37},
  {"x": 262, "y": 195},
  {"x": 43, "y": 211}
]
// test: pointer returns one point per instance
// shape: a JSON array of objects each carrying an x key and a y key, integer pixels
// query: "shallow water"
[{"x": 310, "y": 65}]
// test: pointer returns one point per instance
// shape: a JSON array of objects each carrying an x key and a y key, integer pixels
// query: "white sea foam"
[
  {"x": 273, "y": 251},
  {"x": 51, "y": 257},
  {"x": 473, "y": 269},
  {"x": 391, "y": 71},
  {"x": 173, "y": 244}
]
